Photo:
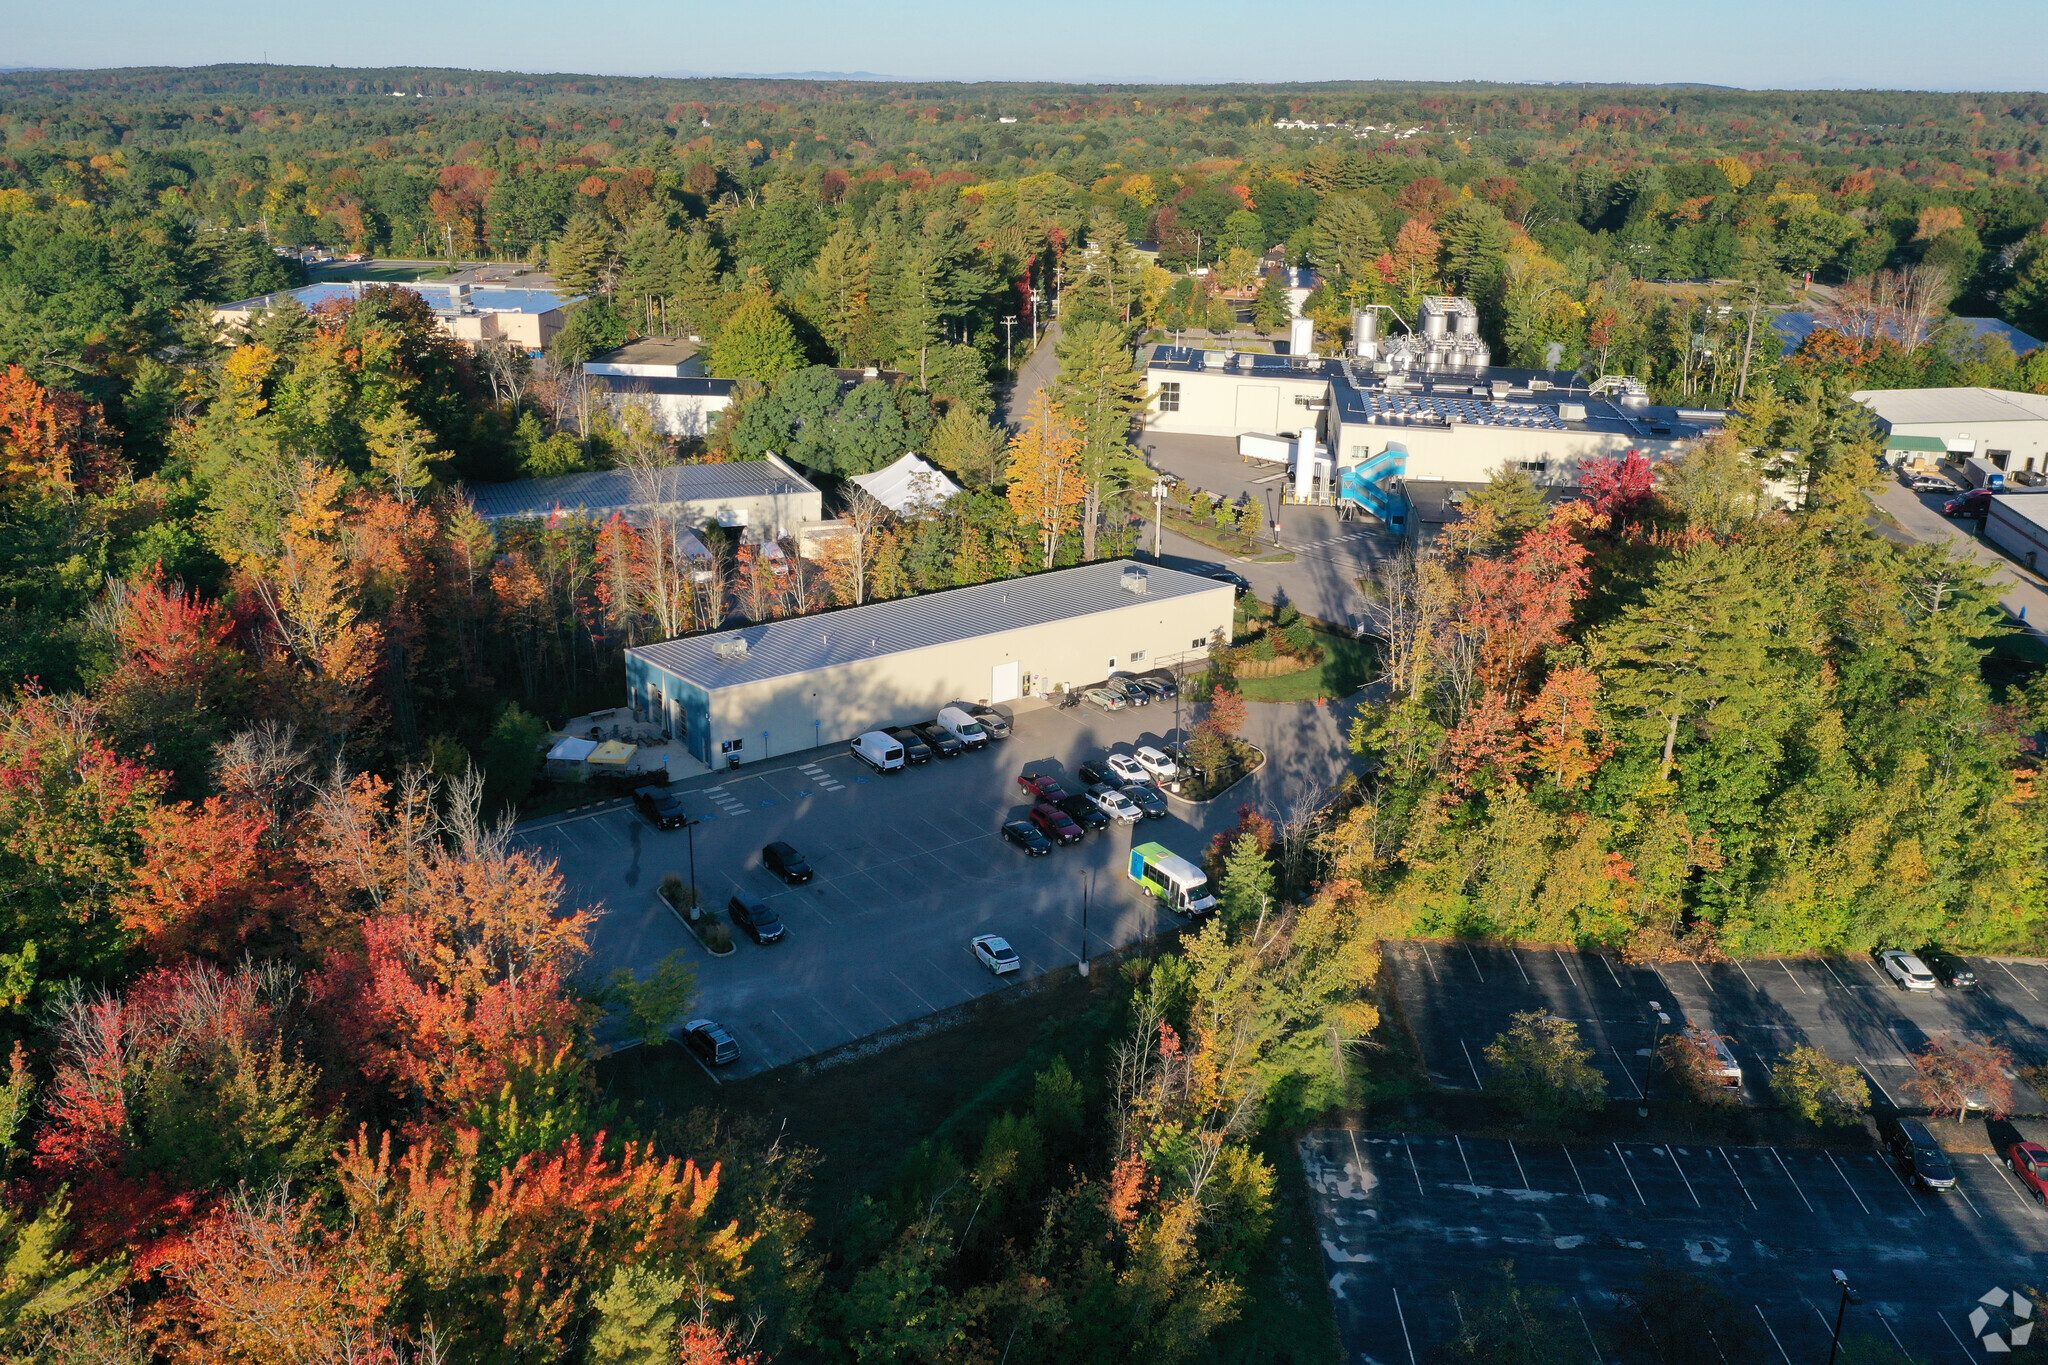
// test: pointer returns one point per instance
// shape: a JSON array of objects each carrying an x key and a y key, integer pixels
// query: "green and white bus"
[{"x": 1172, "y": 879}]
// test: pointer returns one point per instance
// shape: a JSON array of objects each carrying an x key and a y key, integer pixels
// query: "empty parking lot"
[
  {"x": 910, "y": 866},
  {"x": 1413, "y": 1227},
  {"x": 1458, "y": 997}
]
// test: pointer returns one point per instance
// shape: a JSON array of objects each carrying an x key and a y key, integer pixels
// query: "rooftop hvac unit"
[
  {"x": 1213, "y": 360},
  {"x": 729, "y": 650},
  {"x": 1136, "y": 580},
  {"x": 1571, "y": 412}
]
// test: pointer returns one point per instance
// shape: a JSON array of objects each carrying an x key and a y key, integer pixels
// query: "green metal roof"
[{"x": 1914, "y": 443}]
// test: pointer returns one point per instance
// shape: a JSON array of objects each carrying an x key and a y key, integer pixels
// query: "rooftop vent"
[
  {"x": 1571, "y": 412},
  {"x": 735, "y": 648},
  {"x": 1136, "y": 580}
]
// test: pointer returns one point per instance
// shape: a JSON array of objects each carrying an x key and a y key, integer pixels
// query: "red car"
[
  {"x": 2029, "y": 1161},
  {"x": 1044, "y": 786},
  {"x": 1056, "y": 824}
]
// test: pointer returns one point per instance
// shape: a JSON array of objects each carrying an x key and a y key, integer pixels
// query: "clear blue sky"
[{"x": 1913, "y": 44}]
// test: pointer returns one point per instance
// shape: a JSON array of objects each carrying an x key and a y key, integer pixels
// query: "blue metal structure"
[{"x": 1376, "y": 487}]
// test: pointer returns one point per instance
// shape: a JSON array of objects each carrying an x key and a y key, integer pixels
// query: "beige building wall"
[
  {"x": 800, "y": 711},
  {"x": 1470, "y": 454},
  {"x": 1217, "y": 404}
]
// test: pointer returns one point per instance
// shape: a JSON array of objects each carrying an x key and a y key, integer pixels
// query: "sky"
[{"x": 1804, "y": 44}]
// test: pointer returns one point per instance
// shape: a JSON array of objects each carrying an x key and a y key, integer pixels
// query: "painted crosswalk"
[
  {"x": 727, "y": 805},
  {"x": 822, "y": 778}
]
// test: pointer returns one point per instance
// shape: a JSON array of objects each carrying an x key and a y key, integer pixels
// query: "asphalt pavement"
[{"x": 2022, "y": 593}]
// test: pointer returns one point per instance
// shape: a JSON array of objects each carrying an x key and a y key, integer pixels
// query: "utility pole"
[
  {"x": 1158, "y": 517},
  {"x": 1009, "y": 344}
]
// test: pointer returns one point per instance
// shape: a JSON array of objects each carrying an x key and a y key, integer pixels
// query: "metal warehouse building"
[
  {"x": 763, "y": 499},
  {"x": 771, "y": 689}
]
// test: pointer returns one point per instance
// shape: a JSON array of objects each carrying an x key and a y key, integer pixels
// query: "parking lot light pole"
[
  {"x": 690, "y": 824},
  {"x": 1849, "y": 1296},
  {"x": 1086, "y": 896}
]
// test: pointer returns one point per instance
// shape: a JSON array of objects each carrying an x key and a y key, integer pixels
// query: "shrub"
[
  {"x": 1543, "y": 1070},
  {"x": 714, "y": 933},
  {"x": 1691, "y": 1057},
  {"x": 1818, "y": 1088}
]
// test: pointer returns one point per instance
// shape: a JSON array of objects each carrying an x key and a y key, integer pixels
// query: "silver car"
[
  {"x": 1102, "y": 699},
  {"x": 1114, "y": 803}
]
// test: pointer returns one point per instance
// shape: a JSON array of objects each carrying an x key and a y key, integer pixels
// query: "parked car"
[
  {"x": 1092, "y": 773},
  {"x": 785, "y": 862},
  {"x": 1147, "y": 798},
  {"x": 915, "y": 750},
  {"x": 1026, "y": 836},
  {"x": 940, "y": 743},
  {"x": 1948, "y": 969},
  {"x": 1102, "y": 699},
  {"x": 1043, "y": 786},
  {"x": 1127, "y": 769},
  {"x": 1159, "y": 691},
  {"x": 756, "y": 916},
  {"x": 664, "y": 808},
  {"x": 1084, "y": 812},
  {"x": 1975, "y": 503},
  {"x": 995, "y": 953},
  {"x": 1133, "y": 693},
  {"x": 1157, "y": 765},
  {"x": 995, "y": 722},
  {"x": 1113, "y": 803},
  {"x": 1915, "y": 1149},
  {"x": 2029, "y": 1162},
  {"x": 1164, "y": 678},
  {"x": 1927, "y": 483},
  {"x": 1055, "y": 824},
  {"x": 712, "y": 1044},
  {"x": 1223, "y": 575},
  {"x": 880, "y": 751},
  {"x": 1908, "y": 971}
]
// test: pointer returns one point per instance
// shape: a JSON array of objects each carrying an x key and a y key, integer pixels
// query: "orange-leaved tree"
[{"x": 1045, "y": 484}]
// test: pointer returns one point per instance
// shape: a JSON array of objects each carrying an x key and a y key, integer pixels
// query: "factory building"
[
  {"x": 764, "y": 499},
  {"x": 1396, "y": 424},
  {"x": 476, "y": 315},
  {"x": 2005, "y": 429},
  {"x": 739, "y": 696}
]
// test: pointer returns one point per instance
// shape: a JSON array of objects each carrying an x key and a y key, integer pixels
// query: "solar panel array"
[{"x": 1480, "y": 412}]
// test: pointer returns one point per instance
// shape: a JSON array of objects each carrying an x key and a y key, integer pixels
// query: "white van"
[
  {"x": 963, "y": 727},
  {"x": 879, "y": 752}
]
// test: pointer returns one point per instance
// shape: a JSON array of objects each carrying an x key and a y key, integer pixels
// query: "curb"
[{"x": 1241, "y": 777}]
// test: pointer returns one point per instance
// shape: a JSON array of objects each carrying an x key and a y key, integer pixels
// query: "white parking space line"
[
  {"x": 2016, "y": 980},
  {"x": 1404, "y": 1325},
  {"x": 1520, "y": 968},
  {"x": 1966, "y": 1198},
  {"x": 1518, "y": 1164},
  {"x": 2016, "y": 1192},
  {"x": 1475, "y": 963},
  {"x": 1794, "y": 979},
  {"x": 573, "y": 842},
  {"x": 1575, "y": 1172},
  {"x": 1774, "y": 1336},
  {"x": 1876, "y": 1082},
  {"x": 801, "y": 1041},
  {"x": 1917, "y": 1207},
  {"x": 1882, "y": 979},
  {"x": 1878, "y": 1313},
  {"x": 1474, "y": 1065},
  {"x": 1835, "y": 974},
  {"x": 1738, "y": 1176},
  {"x": 1415, "y": 1169},
  {"x": 1747, "y": 977},
  {"x": 1625, "y": 1072},
  {"x": 609, "y": 833},
  {"x": 1567, "y": 969},
  {"x": 1796, "y": 1189},
  {"x": 1952, "y": 1332},
  {"x": 1630, "y": 1174},
  {"x": 893, "y": 1020},
  {"x": 1430, "y": 962},
  {"x": 916, "y": 992},
  {"x": 1676, "y": 1165},
  {"x": 1610, "y": 969},
  {"x": 1845, "y": 1181},
  {"x": 1703, "y": 979},
  {"x": 1590, "y": 1340},
  {"x": 1468, "y": 1165}
]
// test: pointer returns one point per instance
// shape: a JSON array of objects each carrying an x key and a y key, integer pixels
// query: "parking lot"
[
  {"x": 1458, "y": 997},
  {"x": 1414, "y": 1228},
  {"x": 910, "y": 866}
]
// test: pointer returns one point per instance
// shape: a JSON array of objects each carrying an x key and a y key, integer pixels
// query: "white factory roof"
[
  {"x": 2030, "y": 507},
  {"x": 604, "y": 491},
  {"x": 907, "y": 484},
  {"x": 1908, "y": 407},
  {"x": 804, "y": 644}
]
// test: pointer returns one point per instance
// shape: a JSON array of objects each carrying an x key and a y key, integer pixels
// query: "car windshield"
[{"x": 1928, "y": 1156}]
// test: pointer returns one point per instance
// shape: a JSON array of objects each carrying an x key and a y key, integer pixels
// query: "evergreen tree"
[
  {"x": 585, "y": 258},
  {"x": 1103, "y": 283},
  {"x": 1344, "y": 241},
  {"x": 1247, "y": 890},
  {"x": 1274, "y": 310},
  {"x": 696, "y": 288},
  {"x": 836, "y": 296},
  {"x": 1101, "y": 391},
  {"x": 756, "y": 342}
]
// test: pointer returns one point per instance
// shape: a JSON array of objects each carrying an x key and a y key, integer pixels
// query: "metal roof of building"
[
  {"x": 2030, "y": 507},
  {"x": 805, "y": 644},
  {"x": 442, "y": 298},
  {"x": 1910, "y": 407},
  {"x": 613, "y": 490},
  {"x": 703, "y": 386}
]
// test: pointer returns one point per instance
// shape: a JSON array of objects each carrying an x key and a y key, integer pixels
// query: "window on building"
[
  {"x": 1198, "y": 643},
  {"x": 1137, "y": 656},
  {"x": 1169, "y": 397},
  {"x": 1536, "y": 466}
]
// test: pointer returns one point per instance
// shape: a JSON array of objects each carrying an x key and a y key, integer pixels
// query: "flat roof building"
[
  {"x": 476, "y": 314},
  {"x": 650, "y": 358},
  {"x": 2017, "y": 523},
  {"x": 2008, "y": 429},
  {"x": 764, "y": 499},
  {"x": 805, "y": 681}
]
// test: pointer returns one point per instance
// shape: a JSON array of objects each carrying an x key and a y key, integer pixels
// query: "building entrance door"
[{"x": 1005, "y": 682}]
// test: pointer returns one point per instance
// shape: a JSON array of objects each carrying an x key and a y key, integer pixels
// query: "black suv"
[
  {"x": 756, "y": 916},
  {"x": 1948, "y": 969},
  {"x": 1083, "y": 812},
  {"x": 1917, "y": 1151},
  {"x": 1146, "y": 798},
  {"x": 785, "y": 862},
  {"x": 712, "y": 1044},
  {"x": 915, "y": 750},
  {"x": 664, "y": 808},
  {"x": 941, "y": 743},
  {"x": 1026, "y": 836},
  {"x": 1093, "y": 774}
]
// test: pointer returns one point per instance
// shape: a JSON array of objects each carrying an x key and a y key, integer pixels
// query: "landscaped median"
[{"x": 709, "y": 926}]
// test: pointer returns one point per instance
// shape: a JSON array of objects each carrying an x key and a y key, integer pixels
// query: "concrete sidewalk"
[{"x": 2024, "y": 595}]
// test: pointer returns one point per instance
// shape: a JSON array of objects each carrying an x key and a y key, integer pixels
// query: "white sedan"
[
  {"x": 995, "y": 953},
  {"x": 1909, "y": 971},
  {"x": 1126, "y": 768},
  {"x": 1115, "y": 804},
  {"x": 1157, "y": 764}
]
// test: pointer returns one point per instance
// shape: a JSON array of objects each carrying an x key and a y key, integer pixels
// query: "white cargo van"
[
  {"x": 879, "y": 752},
  {"x": 963, "y": 727}
]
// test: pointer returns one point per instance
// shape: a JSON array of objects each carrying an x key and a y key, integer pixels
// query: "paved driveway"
[
  {"x": 2023, "y": 594},
  {"x": 1413, "y": 1228}
]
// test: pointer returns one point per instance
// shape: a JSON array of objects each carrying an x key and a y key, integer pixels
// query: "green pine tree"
[
  {"x": 1100, "y": 390},
  {"x": 1247, "y": 890},
  {"x": 756, "y": 342},
  {"x": 1273, "y": 310},
  {"x": 585, "y": 258}
]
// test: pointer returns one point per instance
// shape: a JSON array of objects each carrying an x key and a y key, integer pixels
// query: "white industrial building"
[
  {"x": 2017, "y": 523},
  {"x": 1404, "y": 420},
  {"x": 764, "y": 499},
  {"x": 749, "y": 694},
  {"x": 2008, "y": 430}
]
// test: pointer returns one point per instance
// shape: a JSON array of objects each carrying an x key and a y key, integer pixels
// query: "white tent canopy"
[
  {"x": 573, "y": 750},
  {"x": 907, "y": 485}
]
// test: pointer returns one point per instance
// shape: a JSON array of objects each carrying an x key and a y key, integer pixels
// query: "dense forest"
[{"x": 302, "y": 1058}]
